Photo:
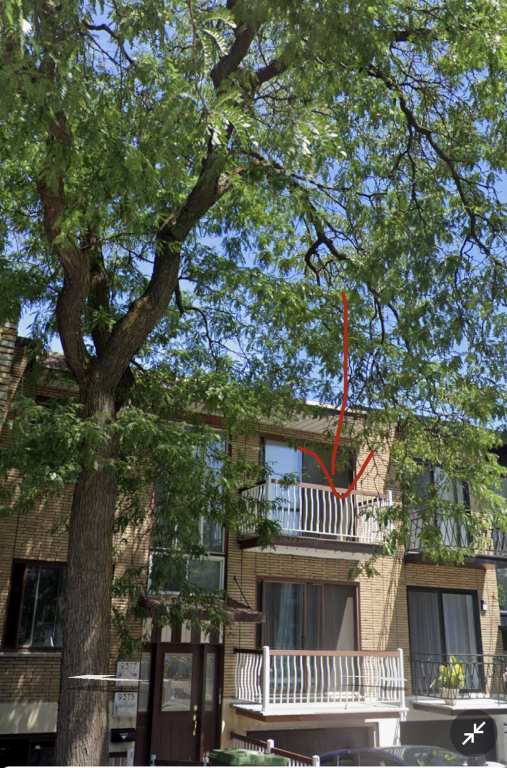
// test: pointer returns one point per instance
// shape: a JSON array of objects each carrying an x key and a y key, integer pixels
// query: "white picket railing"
[
  {"x": 332, "y": 679},
  {"x": 306, "y": 509},
  {"x": 296, "y": 760}
]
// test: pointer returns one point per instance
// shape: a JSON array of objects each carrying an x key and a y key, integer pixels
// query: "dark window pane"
[
  {"x": 167, "y": 574},
  {"x": 426, "y": 635},
  {"x": 46, "y": 608},
  {"x": 42, "y": 609},
  {"x": 339, "y": 618},
  {"x": 313, "y": 472},
  {"x": 213, "y": 536},
  {"x": 28, "y": 606},
  {"x": 501, "y": 577},
  {"x": 206, "y": 574},
  {"x": 313, "y": 617},
  {"x": 283, "y": 606}
]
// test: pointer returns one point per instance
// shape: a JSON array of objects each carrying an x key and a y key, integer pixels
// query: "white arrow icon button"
[{"x": 477, "y": 730}]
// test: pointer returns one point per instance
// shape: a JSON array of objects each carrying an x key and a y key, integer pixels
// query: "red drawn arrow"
[{"x": 340, "y": 421}]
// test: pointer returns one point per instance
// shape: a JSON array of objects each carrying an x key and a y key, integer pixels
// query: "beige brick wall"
[
  {"x": 27, "y": 677},
  {"x": 35, "y": 676},
  {"x": 382, "y": 599}
]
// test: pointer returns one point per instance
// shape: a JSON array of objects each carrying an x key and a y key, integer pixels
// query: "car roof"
[{"x": 385, "y": 749}]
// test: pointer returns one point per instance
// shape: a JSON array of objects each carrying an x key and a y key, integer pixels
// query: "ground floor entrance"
[{"x": 181, "y": 724}]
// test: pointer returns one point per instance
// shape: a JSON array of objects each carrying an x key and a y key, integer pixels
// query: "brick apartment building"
[{"x": 311, "y": 659}]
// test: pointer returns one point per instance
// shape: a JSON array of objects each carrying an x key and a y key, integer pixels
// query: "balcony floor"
[
  {"x": 485, "y": 704},
  {"x": 285, "y": 712},
  {"x": 310, "y": 546}
]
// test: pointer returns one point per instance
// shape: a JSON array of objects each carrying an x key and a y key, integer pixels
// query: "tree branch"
[
  {"x": 114, "y": 35},
  {"x": 74, "y": 293},
  {"x": 99, "y": 298}
]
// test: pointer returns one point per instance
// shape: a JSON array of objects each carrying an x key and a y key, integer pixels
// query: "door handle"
[{"x": 194, "y": 718}]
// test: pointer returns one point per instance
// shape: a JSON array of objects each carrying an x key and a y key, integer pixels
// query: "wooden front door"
[{"x": 185, "y": 703}]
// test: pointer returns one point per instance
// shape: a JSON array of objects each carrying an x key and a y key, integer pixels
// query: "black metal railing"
[
  {"x": 484, "y": 676},
  {"x": 455, "y": 535}
]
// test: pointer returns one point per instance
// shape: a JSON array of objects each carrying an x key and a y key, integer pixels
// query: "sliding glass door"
[
  {"x": 443, "y": 624},
  {"x": 312, "y": 510},
  {"x": 284, "y": 460},
  {"x": 306, "y": 616}
]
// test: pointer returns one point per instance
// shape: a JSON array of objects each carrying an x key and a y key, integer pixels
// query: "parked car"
[{"x": 403, "y": 755}]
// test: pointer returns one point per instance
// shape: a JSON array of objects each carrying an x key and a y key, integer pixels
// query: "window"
[
  {"x": 36, "y": 606},
  {"x": 207, "y": 574},
  {"x": 285, "y": 460},
  {"x": 311, "y": 511},
  {"x": 501, "y": 579},
  {"x": 433, "y": 480},
  {"x": 309, "y": 616},
  {"x": 442, "y": 623}
]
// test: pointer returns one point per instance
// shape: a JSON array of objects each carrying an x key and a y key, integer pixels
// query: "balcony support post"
[
  {"x": 401, "y": 675},
  {"x": 265, "y": 678}
]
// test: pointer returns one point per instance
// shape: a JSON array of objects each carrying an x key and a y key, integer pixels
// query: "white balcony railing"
[
  {"x": 330, "y": 679},
  {"x": 307, "y": 509}
]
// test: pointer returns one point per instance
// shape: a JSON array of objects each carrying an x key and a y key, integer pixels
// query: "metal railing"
[
  {"x": 485, "y": 676},
  {"x": 329, "y": 679},
  {"x": 248, "y": 742},
  {"x": 313, "y": 510},
  {"x": 455, "y": 535}
]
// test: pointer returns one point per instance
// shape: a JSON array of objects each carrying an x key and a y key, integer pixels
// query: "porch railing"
[
  {"x": 295, "y": 760},
  {"x": 485, "y": 675},
  {"x": 313, "y": 510},
  {"x": 332, "y": 679},
  {"x": 455, "y": 535}
]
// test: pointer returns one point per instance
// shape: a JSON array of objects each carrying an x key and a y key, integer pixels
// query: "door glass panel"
[
  {"x": 209, "y": 688},
  {"x": 313, "y": 617},
  {"x": 460, "y": 633},
  {"x": 284, "y": 609},
  {"x": 313, "y": 472},
  {"x": 177, "y": 685},
  {"x": 426, "y": 638},
  {"x": 144, "y": 682},
  {"x": 282, "y": 459},
  {"x": 339, "y": 618}
]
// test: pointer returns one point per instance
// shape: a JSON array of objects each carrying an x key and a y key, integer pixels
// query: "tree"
[{"x": 187, "y": 186}]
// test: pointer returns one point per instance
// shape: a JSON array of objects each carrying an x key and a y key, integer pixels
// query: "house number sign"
[
  {"x": 127, "y": 673},
  {"x": 125, "y": 704}
]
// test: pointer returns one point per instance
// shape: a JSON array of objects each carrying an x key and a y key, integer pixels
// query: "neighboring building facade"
[{"x": 311, "y": 659}]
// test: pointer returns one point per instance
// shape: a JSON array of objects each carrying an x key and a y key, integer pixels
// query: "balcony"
[
  {"x": 310, "y": 516},
  {"x": 271, "y": 684},
  {"x": 492, "y": 548},
  {"x": 485, "y": 687}
]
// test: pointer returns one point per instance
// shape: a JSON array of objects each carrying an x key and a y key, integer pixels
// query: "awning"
[
  {"x": 234, "y": 611},
  {"x": 239, "y": 612}
]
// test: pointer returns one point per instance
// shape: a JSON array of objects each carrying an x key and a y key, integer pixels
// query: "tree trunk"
[{"x": 83, "y": 715}]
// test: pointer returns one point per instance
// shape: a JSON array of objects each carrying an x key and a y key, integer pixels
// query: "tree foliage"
[{"x": 187, "y": 186}]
